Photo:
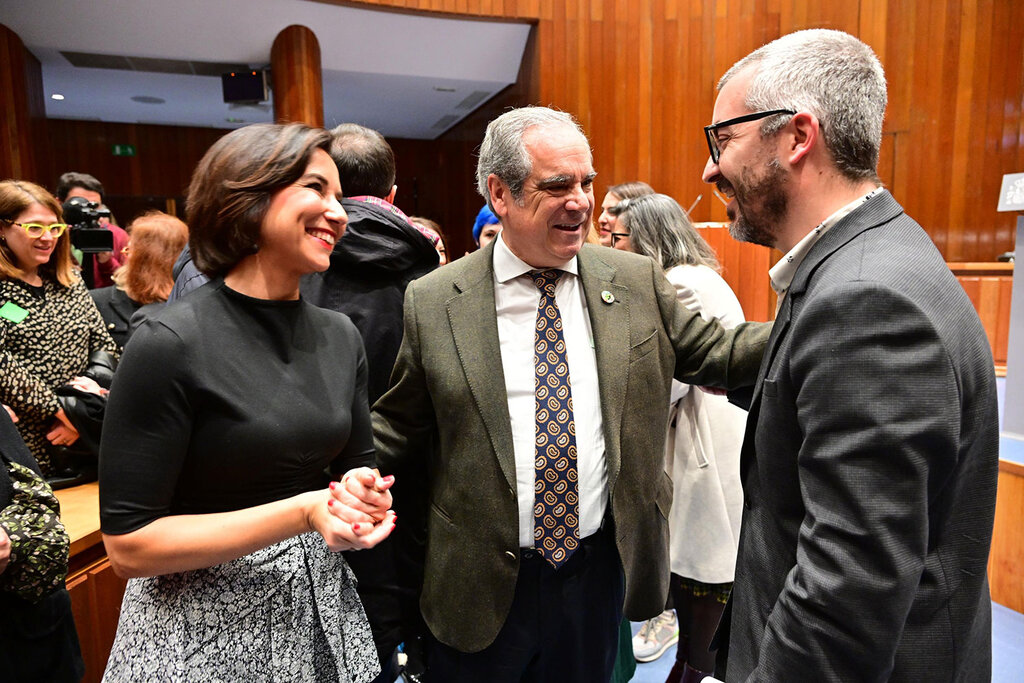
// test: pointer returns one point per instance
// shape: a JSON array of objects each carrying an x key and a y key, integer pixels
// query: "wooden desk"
[{"x": 95, "y": 590}]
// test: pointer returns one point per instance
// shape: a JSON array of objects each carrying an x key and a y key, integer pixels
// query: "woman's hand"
[
  {"x": 14, "y": 416},
  {"x": 365, "y": 490},
  {"x": 5, "y": 549},
  {"x": 344, "y": 527},
  {"x": 88, "y": 385},
  {"x": 62, "y": 432}
]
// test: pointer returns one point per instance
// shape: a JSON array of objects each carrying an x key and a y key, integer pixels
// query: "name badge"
[{"x": 13, "y": 312}]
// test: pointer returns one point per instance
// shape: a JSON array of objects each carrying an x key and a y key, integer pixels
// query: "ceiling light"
[
  {"x": 56, "y": 96},
  {"x": 148, "y": 99}
]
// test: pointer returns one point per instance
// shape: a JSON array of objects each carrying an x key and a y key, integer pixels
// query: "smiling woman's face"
[
  {"x": 305, "y": 219},
  {"x": 31, "y": 252}
]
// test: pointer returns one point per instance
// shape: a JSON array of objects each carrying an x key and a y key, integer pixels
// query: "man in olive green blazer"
[{"x": 448, "y": 403}]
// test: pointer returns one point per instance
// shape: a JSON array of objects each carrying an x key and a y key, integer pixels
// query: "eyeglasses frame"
[
  {"x": 716, "y": 153},
  {"x": 46, "y": 228}
]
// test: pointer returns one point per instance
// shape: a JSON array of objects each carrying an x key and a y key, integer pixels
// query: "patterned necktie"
[{"x": 556, "y": 530}]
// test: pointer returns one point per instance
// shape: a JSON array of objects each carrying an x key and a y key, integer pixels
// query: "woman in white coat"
[{"x": 705, "y": 433}]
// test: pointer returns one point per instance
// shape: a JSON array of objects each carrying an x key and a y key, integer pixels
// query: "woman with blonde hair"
[
  {"x": 49, "y": 327},
  {"x": 145, "y": 278}
]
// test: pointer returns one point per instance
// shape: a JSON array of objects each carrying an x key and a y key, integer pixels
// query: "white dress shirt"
[
  {"x": 781, "y": 274},
  {"x": 516, "y": 298}
]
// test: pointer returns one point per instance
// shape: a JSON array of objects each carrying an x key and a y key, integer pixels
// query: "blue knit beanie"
[{"x": 485, "y": 217}]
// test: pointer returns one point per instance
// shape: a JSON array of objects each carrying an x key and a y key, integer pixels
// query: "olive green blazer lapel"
[
  {"x": 474, "y": 326},
  {"x": 608, "y": 308}
]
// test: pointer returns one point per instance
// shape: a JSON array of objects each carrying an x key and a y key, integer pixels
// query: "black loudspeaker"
[{"x": 244, "y": 86}]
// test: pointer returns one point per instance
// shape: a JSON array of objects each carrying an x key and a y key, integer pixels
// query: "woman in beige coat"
[{"x": 705, "y": 433}]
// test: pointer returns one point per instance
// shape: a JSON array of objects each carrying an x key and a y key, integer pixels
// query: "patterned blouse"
[{"x": 43, "y": 351}]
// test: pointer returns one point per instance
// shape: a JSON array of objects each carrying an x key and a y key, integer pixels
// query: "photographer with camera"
[{"x": 99, "y": 244}]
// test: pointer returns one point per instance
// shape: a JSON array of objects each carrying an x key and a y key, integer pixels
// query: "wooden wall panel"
[
  {"x": 640, "y": 75},
  {"x": 745, "y": 267},
  {"x": 23, "y": 111},
  {"x": 1006, "y": 559},
  {"x": 161, "y": 170},
  {"x": 990, "y": 288}
]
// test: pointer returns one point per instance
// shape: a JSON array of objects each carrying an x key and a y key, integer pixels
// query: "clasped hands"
[{"x": 356, "y": 513}]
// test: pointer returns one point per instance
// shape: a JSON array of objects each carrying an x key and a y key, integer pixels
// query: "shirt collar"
[
  {"x": 781, "y": 274},
  {"x": 508, "y": 266}
]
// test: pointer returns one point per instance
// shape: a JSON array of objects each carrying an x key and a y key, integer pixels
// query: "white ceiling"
[{"x": 396, "y": 72}]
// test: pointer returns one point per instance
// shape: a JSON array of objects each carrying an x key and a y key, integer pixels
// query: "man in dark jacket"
[{"x": 381, "y": 252}]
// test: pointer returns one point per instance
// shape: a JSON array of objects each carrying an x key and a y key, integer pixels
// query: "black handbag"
[{"x": 78, "y": 463}]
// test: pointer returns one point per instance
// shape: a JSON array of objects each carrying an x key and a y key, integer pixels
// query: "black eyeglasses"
[
  {"x": 709, "y": 131},
  {"x": 616, "y": 236}
]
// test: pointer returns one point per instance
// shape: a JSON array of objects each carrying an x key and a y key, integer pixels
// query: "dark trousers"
[{"x": 563, "y": 626}]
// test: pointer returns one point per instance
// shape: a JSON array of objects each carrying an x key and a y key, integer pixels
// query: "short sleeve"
[{"x": 146, "y": 430}]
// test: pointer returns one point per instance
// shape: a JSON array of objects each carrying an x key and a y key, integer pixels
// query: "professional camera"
[{"x": 83, "y": 218}]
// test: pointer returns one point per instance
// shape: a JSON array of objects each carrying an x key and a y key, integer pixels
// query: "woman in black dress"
[{"x": 230, "y": 412}]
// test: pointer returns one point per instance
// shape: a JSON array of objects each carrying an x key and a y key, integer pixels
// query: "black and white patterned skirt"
[{"x": 289, "y": 612}]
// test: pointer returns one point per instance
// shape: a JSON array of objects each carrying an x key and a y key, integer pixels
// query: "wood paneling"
[
  {"x": 298, "y": 87},
  {"x": 745, "y": 267},
  {"x": 990, "y": 288},
  {"x": 21, "y": 82},
  {"x": 1006, "y": 559},
  {"x": 640, "y": 75},
  {"x": 160, "y": 170}
]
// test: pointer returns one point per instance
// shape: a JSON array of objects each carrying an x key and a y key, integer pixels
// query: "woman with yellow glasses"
[{"x": 49, "y": 325}]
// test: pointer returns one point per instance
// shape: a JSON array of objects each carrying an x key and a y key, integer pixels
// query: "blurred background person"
[
  {"x": 615, "y": 194},
  {"x": 433, "y": 229},
  {"x": 705, "y": 434},
  {"x": 486, "y": 227},
  {"x": 229, "y": 411},
  {"x": 97, "y": 268},
  {"x": 38, "y": 639},
  {"x": 145, "y": 278},
  {"x": 48, "y": 324}
]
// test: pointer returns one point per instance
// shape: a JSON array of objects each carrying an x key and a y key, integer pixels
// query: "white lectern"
[{"x": 1011, "y": 198}]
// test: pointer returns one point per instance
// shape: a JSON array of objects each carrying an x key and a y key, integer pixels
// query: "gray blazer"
[
  {"x": 869, "y": 470},
  {"x": 448, "y": 388}
]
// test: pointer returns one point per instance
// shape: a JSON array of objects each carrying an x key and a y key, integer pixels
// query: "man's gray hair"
[
  {"x": 503, "y": 152},
  {"x": 830, "y": 74}
]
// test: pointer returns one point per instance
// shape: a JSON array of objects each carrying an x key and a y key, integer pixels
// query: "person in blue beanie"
[{"x": 486, "y": 227}]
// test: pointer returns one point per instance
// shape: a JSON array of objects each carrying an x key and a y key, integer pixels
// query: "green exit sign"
[{"x": 123, "y": 150}]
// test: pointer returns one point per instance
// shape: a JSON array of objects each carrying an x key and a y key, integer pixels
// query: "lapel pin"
[{"x": 607, "y": 297}]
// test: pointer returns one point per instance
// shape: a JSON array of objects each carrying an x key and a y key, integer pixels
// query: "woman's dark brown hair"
[
  {"x": 232, "y": 186},
  {"x": 15, "y": 197},
  {"x": 157, "y": 239}
]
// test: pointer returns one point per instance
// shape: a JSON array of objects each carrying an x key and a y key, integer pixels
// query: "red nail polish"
[
  {"x": 330, "y": 502},
  {"x": 355, "y": 527},
  {"x": 331, "y": 485}
]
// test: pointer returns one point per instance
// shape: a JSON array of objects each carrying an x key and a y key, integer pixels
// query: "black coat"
[
  {"x": 117, "y": 309},
  {"x": 38, "y": 641},
  {"x": 379, "y": 255}
]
